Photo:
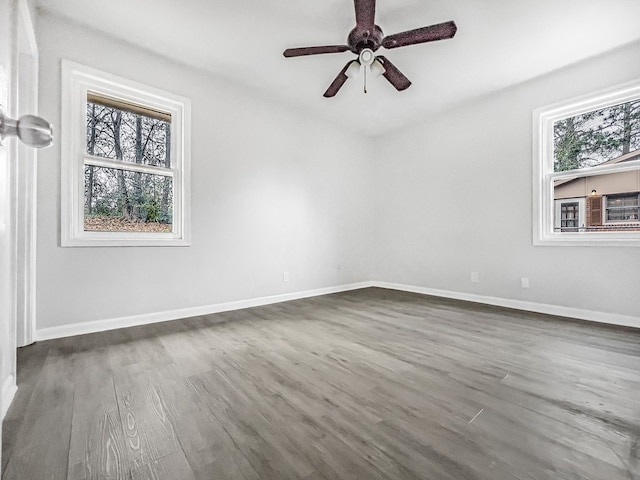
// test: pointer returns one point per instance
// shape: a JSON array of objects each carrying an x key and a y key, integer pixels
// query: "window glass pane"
[
  {"x": 122, "y": 201},
  {"x": 122, "y": 134},
  {"x": 627, "y": 214},
  {"x": 626, "y": 201},
  {"x": 597, "y": 137}
]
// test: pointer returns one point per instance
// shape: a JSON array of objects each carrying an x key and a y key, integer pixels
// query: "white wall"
[
  {"x": 453, "y": 195},
  {"x": 272, "y": 191}
]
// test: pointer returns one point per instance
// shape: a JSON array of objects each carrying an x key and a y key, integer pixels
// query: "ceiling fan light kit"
[
  {"x": 368, "y": 63},
  {"x": 365, "y": 39}
]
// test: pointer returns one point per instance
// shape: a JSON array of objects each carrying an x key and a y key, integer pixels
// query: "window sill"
[
  {"x": 108, "y": 239},
  {"x": 590, "y": 239}
]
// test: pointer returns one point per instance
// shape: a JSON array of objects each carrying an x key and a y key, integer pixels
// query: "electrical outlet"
[
  {"x": 475, "y": 278},
  {"x": 524, "y": 281},
  {"x": 285, "y": 277}
]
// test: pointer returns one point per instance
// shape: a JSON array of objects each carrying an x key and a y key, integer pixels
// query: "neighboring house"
[{"x": 600, "y": 202}]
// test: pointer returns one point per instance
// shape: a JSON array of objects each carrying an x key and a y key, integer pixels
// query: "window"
[
  {"x": 587, "y": 170},
  {"x": 569, "y": 215},
  {"x": 125, "y": 162}
]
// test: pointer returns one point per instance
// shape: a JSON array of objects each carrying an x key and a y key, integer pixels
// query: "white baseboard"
[
  {"x": 9, "y": 389},
  {"x": 589, "y": 315},
  {"x": 145, "y": 319}
]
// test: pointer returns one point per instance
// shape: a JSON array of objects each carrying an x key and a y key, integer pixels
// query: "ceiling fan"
[{"x": 365, "y": 39}]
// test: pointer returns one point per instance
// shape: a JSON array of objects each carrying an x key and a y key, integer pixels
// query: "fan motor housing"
[{"x": 359, "y": 39}]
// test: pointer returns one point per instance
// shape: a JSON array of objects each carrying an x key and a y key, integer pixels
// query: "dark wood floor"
[{"x": 371, "y": 384}]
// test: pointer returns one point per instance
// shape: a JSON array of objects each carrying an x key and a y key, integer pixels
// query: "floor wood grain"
[{"x": 370, "y": 384}]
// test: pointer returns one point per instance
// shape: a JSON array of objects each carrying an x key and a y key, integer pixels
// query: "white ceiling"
[{"x": 499, "y": 43}]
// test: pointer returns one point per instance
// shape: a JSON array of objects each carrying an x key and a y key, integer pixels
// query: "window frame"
[
  {"x": 544, "y": 176},
  {"x": 77, "y": 81}
]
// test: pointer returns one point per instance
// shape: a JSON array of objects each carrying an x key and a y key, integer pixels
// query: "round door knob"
[{"x": 33, "y": 131}]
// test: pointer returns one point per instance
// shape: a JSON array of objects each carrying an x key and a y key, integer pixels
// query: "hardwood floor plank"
[
  {"x": 41, "y": 448},
  {"x": 97, "y": 449},
  {"x": 148, "y": 433},
  {"x": 30, "y": 362},
  {"x": 171, "y": 467},
  {"x": 136, "y": 346},
  {"x": 303, "y": 437},
  {"x": 551, "y": 448},
  {"x": 270, "y": 455},
  {"x": 208, "y": 448}
]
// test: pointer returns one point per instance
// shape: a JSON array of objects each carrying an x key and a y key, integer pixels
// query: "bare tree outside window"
[{"x": 126, "y": 199}]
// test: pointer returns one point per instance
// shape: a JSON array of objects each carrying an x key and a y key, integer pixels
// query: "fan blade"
[
  {"x": 338, "y": 82},
  {"x": 395, "y": 76},
  {"x": 299, "y": 52},
  {"x": 365, "y": 14},
  {"x": 440, "y": 31}
]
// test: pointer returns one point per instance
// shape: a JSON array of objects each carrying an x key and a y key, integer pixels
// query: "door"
[
  {"x": 18, "y": 95},
  {"x": 7, "y": 229},
  {"x": 25, "y": 96}
]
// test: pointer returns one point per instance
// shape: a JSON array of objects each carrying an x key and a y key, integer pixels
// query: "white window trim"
[
  {"x": 543, "y": 175},
  {"x": 76, "y": 81}
]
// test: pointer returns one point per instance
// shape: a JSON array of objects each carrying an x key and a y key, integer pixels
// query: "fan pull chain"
[{"x": 365, "y": 79}]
